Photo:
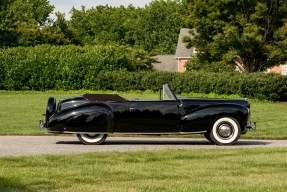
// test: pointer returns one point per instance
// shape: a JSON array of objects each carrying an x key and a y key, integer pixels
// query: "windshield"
[{"x": 167, "y": 94}]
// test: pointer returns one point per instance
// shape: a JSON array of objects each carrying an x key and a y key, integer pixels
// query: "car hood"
[{"x": 204, "y": 101}]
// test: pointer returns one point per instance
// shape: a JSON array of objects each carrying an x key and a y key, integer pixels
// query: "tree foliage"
[
  {"x": 158, "y": 26},
  {"x": 251, "y": 34},
  {"x": 27, "y": 23},
  {"x": 154, "y": 28}
]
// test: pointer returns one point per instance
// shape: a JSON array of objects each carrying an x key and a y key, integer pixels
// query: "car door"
[{"x": 153, "y": 116}]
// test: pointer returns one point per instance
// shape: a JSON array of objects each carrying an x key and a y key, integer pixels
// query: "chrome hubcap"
[{"x": 225, "y": 130}]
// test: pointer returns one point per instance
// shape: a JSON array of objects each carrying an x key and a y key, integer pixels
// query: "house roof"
[
  {"x": 170, "y": 62},
  {"x": 181, "y": 50},
  {"x": 166, "y": 63}
]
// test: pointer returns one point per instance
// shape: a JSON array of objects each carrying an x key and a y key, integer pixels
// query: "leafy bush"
[
  {"x": 54, "y": 67},
  {"x": 114, "y": 68},
  {"x": 255, "y": 85}
]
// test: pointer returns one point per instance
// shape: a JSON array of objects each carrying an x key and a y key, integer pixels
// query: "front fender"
[
  {"x": 91, "y": 117},
  {"x": 201, "y": 119}
]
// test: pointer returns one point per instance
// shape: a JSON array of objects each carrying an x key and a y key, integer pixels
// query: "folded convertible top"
[{"x": 104, "y": 98}]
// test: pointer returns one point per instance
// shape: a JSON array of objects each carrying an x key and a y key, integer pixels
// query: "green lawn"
[
  {"x": 271, "y": 120},
  {"x": 167, "y": 170},
  {"x": 21, "y": 111}
]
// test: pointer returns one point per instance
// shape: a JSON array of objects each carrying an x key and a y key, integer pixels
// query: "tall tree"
[
  {"x": 7, "y": 24},
  {"x": 154, "y": 28},
  {"x": 26, "y": 23},
  {"x": 158, "y": 26},
  {"x": 251, "y": 34},
  {"x": 100, "y": 25}
]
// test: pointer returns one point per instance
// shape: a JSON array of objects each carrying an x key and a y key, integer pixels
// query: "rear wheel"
[
  {"x": 225, "y": 131},
  {"x": 92, "y": 139}
]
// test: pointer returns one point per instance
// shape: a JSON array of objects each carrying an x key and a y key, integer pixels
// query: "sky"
[{"x": 65, "y": 6}]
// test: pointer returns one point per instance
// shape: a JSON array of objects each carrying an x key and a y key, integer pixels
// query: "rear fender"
[
  {"x": 90, "y": 117},
  {"x": 51, "y": 107}
]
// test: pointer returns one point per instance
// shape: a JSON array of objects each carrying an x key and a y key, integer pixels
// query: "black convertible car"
[{"x": 93, "y": 116}]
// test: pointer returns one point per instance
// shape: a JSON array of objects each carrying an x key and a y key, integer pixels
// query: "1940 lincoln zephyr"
[{"x": 93, "y": 116}]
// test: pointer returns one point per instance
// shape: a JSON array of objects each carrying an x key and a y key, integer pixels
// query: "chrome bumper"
[
  {"x": 251, "y": 125},
  {"x": 43, "y": 123}
]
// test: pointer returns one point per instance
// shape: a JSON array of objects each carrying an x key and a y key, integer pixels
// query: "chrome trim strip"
[
  {"x": 138, "y": 133},
  {"x": 248, "y": 110},
  {"x": 198, "y": 132},
  {"x": 72, "y": 132}
]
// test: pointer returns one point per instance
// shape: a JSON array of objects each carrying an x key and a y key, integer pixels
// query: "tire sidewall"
[
  {"x": 88, "y": 139},
  {"x": 236, "y": 131}
]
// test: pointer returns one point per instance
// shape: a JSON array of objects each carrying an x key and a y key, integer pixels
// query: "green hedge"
[
  {"x": 256, "y": 85},
  {"x": 64, "y": 67},
  {"x": 106, "y": 68}
]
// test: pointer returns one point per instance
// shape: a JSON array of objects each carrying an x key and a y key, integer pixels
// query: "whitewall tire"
[
  {"x": 92, "y": 139},
  {"x": 225, "y": 131}
]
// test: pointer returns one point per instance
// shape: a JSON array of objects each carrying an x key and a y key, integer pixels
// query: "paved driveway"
[{"x": 35, "y": 145}]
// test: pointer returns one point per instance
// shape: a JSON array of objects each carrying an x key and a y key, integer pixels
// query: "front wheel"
[
  {"x": 92, "y": 139},
  {"x": 225, "y": 131},
  {"x": 207, "y": 136}
]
